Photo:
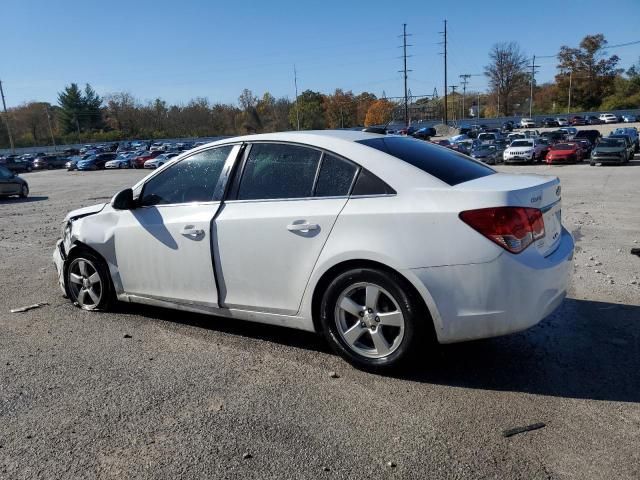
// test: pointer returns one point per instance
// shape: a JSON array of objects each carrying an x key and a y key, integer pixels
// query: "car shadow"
[
  {"x": 23, "y": 200},
  {"x": 585, "y": 349}
]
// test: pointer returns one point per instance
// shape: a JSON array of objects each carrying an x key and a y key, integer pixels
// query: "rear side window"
[
  {"x": 274, "y": 171},
  {"x": 335, "y": 178},
  {"x": 444, "y": 164},
  {"x": 194, "y": 179}
]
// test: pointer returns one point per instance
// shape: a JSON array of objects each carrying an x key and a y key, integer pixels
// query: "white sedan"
[
  {"x": 381, "y": 243},
  {"x": 123, "y": 160},
  {"x": 159, "y": 160}
]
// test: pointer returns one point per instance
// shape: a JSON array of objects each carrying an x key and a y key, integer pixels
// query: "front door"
[
  {"x": 9, "y": 185},
  {"x": 163, "y": 247},
  {"x": 271, "y": 234}
]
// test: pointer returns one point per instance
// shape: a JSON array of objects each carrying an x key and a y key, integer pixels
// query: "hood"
[
  {"x": 608, "y": 149},
  {"x": 84, "y": 212}
]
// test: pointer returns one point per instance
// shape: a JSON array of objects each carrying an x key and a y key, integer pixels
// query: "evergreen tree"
[{"x": 71, "y": 108}]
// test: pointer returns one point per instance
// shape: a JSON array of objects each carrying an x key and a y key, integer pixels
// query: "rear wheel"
[
  {"x": 372, "y": 319},
  {"x": 24, "y": 191},
  {"x": 87, "y": 282}
]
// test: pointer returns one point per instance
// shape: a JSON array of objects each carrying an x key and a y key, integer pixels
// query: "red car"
[
  {"x": 577, "y": 120},
  {"x": 565, "y": 153},
  {"x": 138, "y": 162}
]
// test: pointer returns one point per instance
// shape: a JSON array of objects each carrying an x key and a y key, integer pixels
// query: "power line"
[
  {"x": 533, "y": 79},
  {"x": 464, "y": 80}
]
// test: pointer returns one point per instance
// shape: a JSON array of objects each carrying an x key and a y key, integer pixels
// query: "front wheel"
[
  {"x": 372, "y": 319},
  {"x": 24, "y": 191},
  {"x": 87, "y": 282}
]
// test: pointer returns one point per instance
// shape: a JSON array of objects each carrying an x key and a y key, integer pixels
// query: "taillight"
[{"x": 513, "y": 228}]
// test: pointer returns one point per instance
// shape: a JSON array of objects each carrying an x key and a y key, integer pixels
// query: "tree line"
[{"x": 81, "y": 115}]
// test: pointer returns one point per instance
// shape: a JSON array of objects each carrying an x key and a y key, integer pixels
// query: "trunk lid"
[{"x": 535, "y": 191}]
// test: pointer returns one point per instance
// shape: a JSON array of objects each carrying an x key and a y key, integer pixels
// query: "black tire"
[
  {"x": 415, "y": 319},
  {"x": 98, "y": 266},
  {"x": 592, "y": 164},
  {"x": 24, "y": 191}
]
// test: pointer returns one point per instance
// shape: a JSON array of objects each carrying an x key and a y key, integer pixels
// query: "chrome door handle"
[
  {"x": 302, "y": 227},
  {"x": 191, "y": 231}
]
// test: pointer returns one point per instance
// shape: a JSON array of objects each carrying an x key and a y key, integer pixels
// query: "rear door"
[
  {"x": 270, "y": 233},
  {"x": 8, "y": 183}
]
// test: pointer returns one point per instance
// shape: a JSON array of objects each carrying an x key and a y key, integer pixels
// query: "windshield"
[
  {"x": 445, "y": 164},
  {"x": 485, "y": 148},
  {"x": 611, "y": 142},
  {"x": 521, "y": 143}
]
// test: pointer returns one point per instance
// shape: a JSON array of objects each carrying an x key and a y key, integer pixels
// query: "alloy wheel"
[
  {"x": 85, "y": 284},
  {"x": 369, "y": 320}
]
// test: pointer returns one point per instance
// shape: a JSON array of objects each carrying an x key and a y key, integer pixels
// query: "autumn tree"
[
  {"x": 592, "y": 72},
  {"x": 310, "y": 111},
  {"x": 363, "y": 102},
  {"x": 340, "y": 109},
  {"x": 507, "y": 74},
  {"x": 380, "y": 112}
]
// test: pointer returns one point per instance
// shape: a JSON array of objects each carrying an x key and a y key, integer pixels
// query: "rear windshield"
[
  {"x": 521, "y": 143},
  {"x": 447, "y": 165}
]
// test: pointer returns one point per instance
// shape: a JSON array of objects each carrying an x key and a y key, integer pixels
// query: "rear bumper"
[{"x": 506, "y": 295}]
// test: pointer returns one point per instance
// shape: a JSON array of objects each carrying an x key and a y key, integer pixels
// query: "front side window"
[
  {"x": 5, "y": 172},
  {"x": 193, "y": 179},
  {"x": 275, "y": 171}
]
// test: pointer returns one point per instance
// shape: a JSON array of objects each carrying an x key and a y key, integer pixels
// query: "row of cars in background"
[
  {"x": 565, "y": 145},
  {"x": 135, "y": 154},
  {"x": 575, "y": 121}
]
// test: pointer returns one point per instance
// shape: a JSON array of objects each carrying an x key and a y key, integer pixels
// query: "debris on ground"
[
  {"x": 247, "y": 455},
  {"x": 126, "y": 335},
  {"x": 334, "y": 375},
  {"x": 635, "y": 251},
  {"x": 514, "y": 431},
  {"x": 29, "y": 307},
  {"x": 391, "y": 464}
]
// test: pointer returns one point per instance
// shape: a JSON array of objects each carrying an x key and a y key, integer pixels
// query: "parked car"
[
  {"x": 609, "y": 150},
  {"x": 550, "y": 122},
  {"x": 95, "y": 162},
  {"x": 122, "y": 160},
  {"x": 608, "y": 118},
  {"x": 508, "y": 257},
  {"x": 629, "y": 118},
  {"x": 628, "y": 141},
  {"x": 527, "y": 123},
  {"x": 486, "y": 153},
  {"x": 488, "y": 137},
  {"x": 48, "y": 162},
  {"x": 592, "y": 135},
  {"x": 577, "y": 120},
  {"x": 11, "y": 184},
  {"x": 70, "y": 152},
  {"x": 631, "y": 132},
  {"x": 524, "y": 150},
  {"x": 159, "y": 160},
  {"x": 562, "y": 122},
  {"x": 593, "y": 120},
  {"x": 72, "y": 162},
  {"x": 554, "y": 136},
  {"x": 138, "y": 162},
  {"x": 586, "y": 146},
  {"x": 508, "y": 126},
  {"x": 424, "y": 133},
  {"x": 16, "y": 164},
  {"x": 570, "y": 132},
  {"x": 156, "y": 146},
  {"x": 565, "y": 153}
]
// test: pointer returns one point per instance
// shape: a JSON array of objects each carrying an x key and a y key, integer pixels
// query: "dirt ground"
[{"x": 192, "y": 396}]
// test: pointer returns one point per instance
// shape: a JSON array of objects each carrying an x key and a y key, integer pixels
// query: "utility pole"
[
  {"x": 453, "y": 91},
  {"x": 405, "y": 71},
  {"x": 295, "y": 82},
  {"x": 6, "y": 119},
  {"x": 464, "y": 79},
  {"x": 569, "y": 103},
  {"x": 53, "y": 140},
  {"x": 533, "y": 79},
  {"x": 446, "y": 116}
]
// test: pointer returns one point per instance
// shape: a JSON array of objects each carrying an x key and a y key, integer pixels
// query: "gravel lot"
[{"x": 191, "y": 396}]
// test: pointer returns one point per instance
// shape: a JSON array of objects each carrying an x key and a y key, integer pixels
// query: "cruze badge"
[{"x": 536, "y": 198}]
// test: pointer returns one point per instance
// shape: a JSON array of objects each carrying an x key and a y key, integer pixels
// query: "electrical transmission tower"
[
  {"x": 464, "y": 80},
  {"x": 533, "y": 79},
  {"x": 405, "y": 71},
  {"x": 444, "y": 43}
]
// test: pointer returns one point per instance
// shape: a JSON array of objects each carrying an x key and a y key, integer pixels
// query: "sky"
[{"x": 179, "y": 50}]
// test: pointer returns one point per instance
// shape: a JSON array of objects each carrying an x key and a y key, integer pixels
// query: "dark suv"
[
  {"x": 16, "y": 164},
  {"x": 48, "y": 162}
]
